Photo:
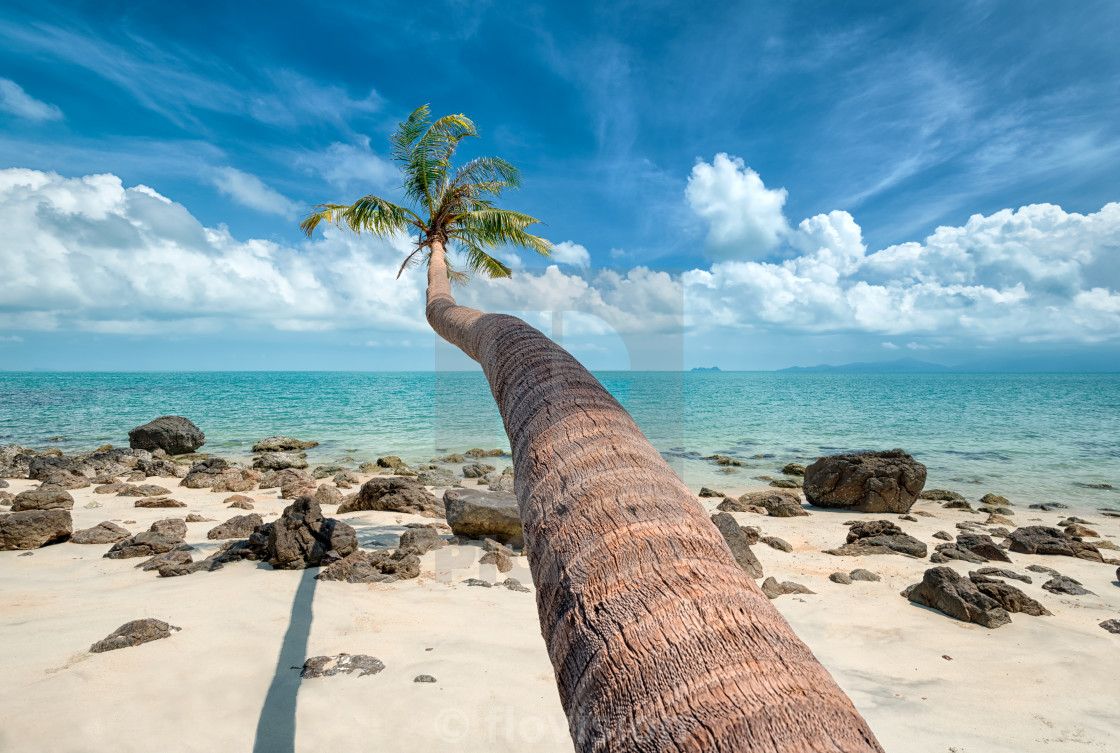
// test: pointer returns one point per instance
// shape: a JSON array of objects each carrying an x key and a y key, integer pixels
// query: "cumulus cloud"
[
  {"x": 352, "y": 167},
  {"x": 572, "y": 253},
  {"x": 250, "y": 191},
  {"x": 14, "y": 100},
  {"x": 744, "y": 217}
]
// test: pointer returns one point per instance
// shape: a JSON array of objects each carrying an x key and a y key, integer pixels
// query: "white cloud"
[
  {"x": 14, "y": 100},
  {"x": 352, "y": 167},
  {"x": 889, "y": 345},
  {"x": 250, "y": 191},
  {"x": 572, "y": 253},
  {"x": 744, "y": 217},
  {"x": 10, "y": 339}
]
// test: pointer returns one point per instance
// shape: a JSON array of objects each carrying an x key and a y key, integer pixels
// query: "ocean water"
[{"x": 1030, "y": 437}]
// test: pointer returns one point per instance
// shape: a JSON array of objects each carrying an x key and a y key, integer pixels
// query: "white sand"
[{"x": 1041, "y": 683}]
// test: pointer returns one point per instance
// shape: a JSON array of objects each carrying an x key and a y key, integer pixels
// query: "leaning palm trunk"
[{"x": 659, "y": 640}]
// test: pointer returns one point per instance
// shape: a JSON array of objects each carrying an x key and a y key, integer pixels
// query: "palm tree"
[{"x": 659, "y": 640}]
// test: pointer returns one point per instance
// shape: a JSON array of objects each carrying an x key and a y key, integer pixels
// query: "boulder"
[
  {"x": 943, "y": 535},
  {"x": 394, "y": 494},
  {"x": 286, "y": 477},
  {"x": 736, "y": 541},
  {"x": 105, "y": 532},
  {"x": 278, "y": 461},
  {"x": 133, "y": 634},
  {"x": 174, "y": 435},
  {"x": 995, "y": 500},
  {"x": 786, "y": 483},
  {"x": 146, "y": 544},
  {"x": 865, "y": 481},
  {"x": 282, "y": 444},
  {"x": 38, "y": 499},
  {"x": 328, "y": 495},
  {"x": 779, "y": 504},
  {"x": 236, "y": 480},
  {"x": 773, "y": 589},
  {"x": 476, "y": 514},
  {"x": 501, "y": 482},
  {"x": 373, "y": 567},
  {"x": 174, "y": 527},
  {"x": 999, "y": 572},
  {"x": 981, "y": 545},
  {"x": 1009, "y": 597},
  {"x": 64, "y": 480},
  {"x": 177, "y": 557},
  {"x": 1046, "y": 540},
  {"x": 498, "y": 559},
  {"x": 1081, "y": 531},
  {"x": 32, "y": 529},
  {"x": 878, "y": 537},
  {"x": 302, "y": 537},
  {"x": 237, "y": 527},
  {"x": 943, "y": 589},
  {"x": 705, "y": 492}
]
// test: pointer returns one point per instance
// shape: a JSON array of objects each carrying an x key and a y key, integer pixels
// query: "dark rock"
[
  {"x": 1084, "y": 532},
  {"x": 441, "y": 477},
  {"x": 1112, "y": 626},
  {"x": 237, "y": 527},
  {"x": 943, "y": 589},
  {"x": 941, "y": 495},
  {"x": 239, "y": 501},
  {"x": 478, "y": 582},
  {"x": 943, "y": 536},
  {"x": 158, "y": 502},
  {"x": 395, "y": 494},
  {"x": 1049, "y": 506},
  {"x": 946, "y": 552},
  {"x": 981, "y": 545},
  {"x": 196, "y": 518},
  {"x": 302, "y": 537},
  {"x": 133, "y": 634},
  {"x": 111, "y": 488},
  {"x": 1009, "y": 597},
  {"x": 64, "y": 480},
  {"x": 1045, "y": 540},
  {"x": 236, "y": 480},
  {"x": 143, "y": 490},
  {"x": 146, "y": 544},
  {"x": 477, "y": 470},
  {"x": 37, "y": 499},
  {"x": 282, "y": 444},
  {"x": 420, "y": 541},
  {"x": 174, "y": 435},
  {"x": 706, "y": 492},
  {"x": 328, "y": 495},
  {"x": 513, "y": 584},
  {"x": 773, "y": 589},
  {"x": 499, "y": 560},
  {"x": 373, "y": 567},
  {"x": 737, "y": 543},
  {"x": 995, "y": 500},
  {"x": 999, "y": 572},
  {"x": 779, "y": 504},
  {"x": 286, "y": 477},
  {"x": 958, "y": 504},
  {"x": 105, "y": 532},
  {"x": 278, "y": 461},
  {"x": 180, "y": 556},
  {"x": 478, "y": 514},
  {"x": 1063, "y": 584},
  {"x": 32, "y": 529},
  {"x": 453, "y": 458},
  {"x": 775, "y": 543},
  {"x": 323, "y": 471},
  {"x": 1044, "y": 570},
  {"x": 328, "y": 666},
  {"x": 860, "y": 574},
  {"x": 793, "y": 469},
  {"x": 865, "y": 481},
  {"x": 423, "y": 678},
  {"x": 170, "y": 527},
  {"x": 841, "y": 578},
  {"x": 477, "y": 453},
  {"x": 879, "y": 537},
  {"x": 909, "y": 518}
]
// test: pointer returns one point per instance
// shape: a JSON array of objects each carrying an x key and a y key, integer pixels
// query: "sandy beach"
[{"x": 230, "y": 680}]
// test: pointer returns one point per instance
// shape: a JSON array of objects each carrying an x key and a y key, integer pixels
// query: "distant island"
[
  {"x": 901, "y": 365},
  {"x": 705, "y": 368}
]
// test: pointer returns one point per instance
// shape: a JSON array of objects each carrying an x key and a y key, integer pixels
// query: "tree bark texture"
[{"x": 659, "y": 640}]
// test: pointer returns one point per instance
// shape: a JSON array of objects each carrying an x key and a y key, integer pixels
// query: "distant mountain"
[
  {"x": 705, "y": 368},
  {"x": 902, "y": 365}
]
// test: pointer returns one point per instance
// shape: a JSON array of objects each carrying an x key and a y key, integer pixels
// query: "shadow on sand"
[{"x": 276, "y": 728}]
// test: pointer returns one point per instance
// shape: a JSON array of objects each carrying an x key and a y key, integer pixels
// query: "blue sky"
[{"x": 749, "y": 185}]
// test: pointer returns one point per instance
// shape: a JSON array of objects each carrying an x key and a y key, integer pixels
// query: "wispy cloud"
[
  {"x": 250, "y": 191},
  {"x": 14, "y": 100}
]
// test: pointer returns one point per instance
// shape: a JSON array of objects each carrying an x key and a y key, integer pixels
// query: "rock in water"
[
  {"x": 328, "y": 666},
  {"x": 133, "y": 634},
  {"x": 174, "y": 435},
  {"x": 865, "y": 481},
  {"x": 105, "y": 532},
  {"x": 943, "y": 589},
  {"x": 34, "y": 528},
  {"x": 737, "y": 543},
  {"x": 282, "y": 444},
  {"x": 301, "y": 537},
  {"x": 477, "y": 514},
  {"x": 395, "y": 494},
  {"x": 278, "y": 461}
]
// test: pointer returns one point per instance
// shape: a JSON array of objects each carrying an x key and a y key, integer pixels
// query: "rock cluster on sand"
[
  {"x": 133, "y": 634},
  {"x": 395, "y": 494},
  {"x": 941, "y": 588},
  {"x": 159, "y": 538},
  {"x": 1046, "y": 540},
  {"x": 476, "y": 514},
  {"x": 865, "y": 481},
  {"x": 878, "y": 537},
  {"x": 32, "y": 529},
  {"x": 302, "y": 537},
  {"x": 373, "y": 567},
  {"x": 174, "y": 435},
  {"x": 970, "y": 547}
]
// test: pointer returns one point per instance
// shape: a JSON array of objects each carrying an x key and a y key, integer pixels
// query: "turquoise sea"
[{"x": 1030, "y": 437}]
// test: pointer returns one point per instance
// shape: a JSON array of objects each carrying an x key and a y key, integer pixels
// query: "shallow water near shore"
[{"x": 1031, "y": 437}]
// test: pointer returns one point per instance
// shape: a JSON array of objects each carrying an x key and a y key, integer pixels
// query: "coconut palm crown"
[{"x": 453, "y": 206}]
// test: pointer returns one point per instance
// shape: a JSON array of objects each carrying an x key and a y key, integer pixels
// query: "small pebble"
[{"x": 423, "y": 678}]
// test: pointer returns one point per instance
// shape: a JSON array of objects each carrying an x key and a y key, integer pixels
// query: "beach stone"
[
  {"x": 943, "y": 535},
  {"x": 395, "y": 494},
  {"x": 382, "y": 566},
  {"x": 1049, "y": 506},
  {"x": 995, "y": 519},
  {"x": 178, "y": 557},
  {"x": 513, "y": 584},
  {"x": 1001, "y": 573},
  {"x": 453, "y": 458},
  {"x": 958, "y": 504},
  {"x": 841, "y": 578},
  {"x": 38, "y": 499},
  {"x": 64, "y": 480},
  {"x": 327, "y": 494},
  {"x": 1044, "y": 570},
  {"x": 1009, "y": 597},
  {"x": 4, "y": 484},
  {"x": 297, "y": 490},
  {"x": 499, "y": 559},
  {"x": 478, "y": 453},
  {"x": 476, "y": 514},
  {"x": 345, "y": 477},
  {"x": 775, "y": 543},
  {"x": 1112, "y": 626},
  {"x": 941, "y": 588},
  {"x": 786, "y": 483},
  {"x": 323, "y": 471},
  {"x": 878, "y": 537},
  {"x": 942, "y": 495},
  {"x": 278, "y": 461},
  {"x": 501, "y": 483},
  {"x": 328, "y": 666},
  {"x": 420, "y": 541},
  {"x": 1076, "y": 529},
  {"x": 793, "y": 469},
  {"x": 237, "y": 527},
  {"x": 981, "y": 545},
  {"x": 196, "y": 518},
  {"x": 1063, "y": 584},
  {"x": 706, "y": 492},
  {"x": 6, "y": 498},
  {"x": 861, "y": 574},
  {"x": 301, "y": 537},
  {"x": 945, "y": 552},
  {"x": 236, "y": 480},
  {"x": 441, "y": 477},
  {"x": 887, "y": 481},
  {"x": 158, "y": 502},
  {"x": 773, "y": 589},
  {"x": 112, "y": 488},
  {"x": 133, "y": 634},
  {"x": 391, "y": 463},
  {"x": 32, "y": 529},
  {"x": 423, "y": 678},
  {"x": 1046, "y": 540},
  {"x": 286, "y": 477},
  {"x": 143, "y": 490},
  {"x": 176, "y": 527},
  {"x": 174, "y": 435},
  {"x": 477, "y": 470},
  {"x": 146, "y": 544},
  {"x": 282, "y": 444},
  {"x": 779, "y": 504},
  {"x": 995, "y": 500},
  {"x": 737, "y": 542}
]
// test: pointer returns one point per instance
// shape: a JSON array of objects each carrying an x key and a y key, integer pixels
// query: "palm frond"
[
  {"x": 488, "y": 228},
  {"x": 370, "y": 214},
  {"x": 487, "y": 174},
  {"x": 429, "y": 158},
  {"x": 408, "y": 132}
]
